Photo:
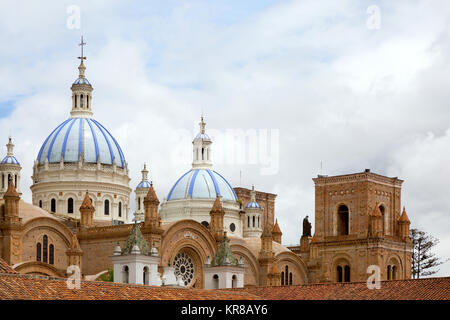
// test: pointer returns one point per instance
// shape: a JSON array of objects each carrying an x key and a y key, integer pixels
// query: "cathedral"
[{"x": 79, "y": 215}]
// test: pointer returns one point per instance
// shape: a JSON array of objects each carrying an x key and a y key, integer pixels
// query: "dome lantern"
[
  {"x": 202, "y": 149},
  {"x": 81, "y": 91}
]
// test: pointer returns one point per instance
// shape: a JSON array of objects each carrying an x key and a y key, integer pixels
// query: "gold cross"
[{"x": 82, "y": 44}]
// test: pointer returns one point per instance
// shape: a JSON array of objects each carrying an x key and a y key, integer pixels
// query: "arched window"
[
  {"x": 342, "y": 221},
  {"x": 139, "y": 203},
  {"x": 145, "y": 275},
  {"x": 70, "y": 205},
  {"x": 286, "y": 275},
  {"x": 120, "y": 209},
  {"x": 40, "y": 203},
  {"x": 15, "y": 180},
  {"x": 282, "y": 278},
  {"x": 51, "y": 259},
  {"x": 87, "y": 101},
  {"x": 125, "y": 274},
  {"x": 81, "y": 100},
  {"x": 347, "y": 274},
  {"x": 53, "y": 205},
  {"x": 38, "y": 251},
  {"x": 394, "y": 273},
  {"x": 389, "y": 272},
  {"x": 216, "y": 281},
  {"x": 234, "y": 281},
  {"x": 106, "y": 207},
  {"x": 290, "y": 278},
  {"x": 45, "y": 249},
  {"x": 253, "y": 221},
  {"x": 3, "y": 181},
  {"x": 382, "y": 221},
  {"x": 339, "y": 274},
  {"x": 259, "y": 225},
  {"x": 248, "y": 221},
  {"x": 203, "y": 153},
  {"x": 75, "y": 101}
]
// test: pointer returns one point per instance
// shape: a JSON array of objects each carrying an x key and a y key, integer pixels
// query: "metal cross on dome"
[{"x": 82, "y": 55}]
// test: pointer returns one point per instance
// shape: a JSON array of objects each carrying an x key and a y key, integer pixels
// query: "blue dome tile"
[
  {"x": 201, "y": 184},
  {"x": 81, "y": 137}
]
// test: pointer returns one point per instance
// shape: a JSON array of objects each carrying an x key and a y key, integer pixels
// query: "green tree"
[
  {"x": 108, "y": 276},
  {"x": 424, "y": 261}
]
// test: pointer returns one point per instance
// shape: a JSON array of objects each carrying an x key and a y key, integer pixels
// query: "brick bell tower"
[{"x": 358, "y": 223}]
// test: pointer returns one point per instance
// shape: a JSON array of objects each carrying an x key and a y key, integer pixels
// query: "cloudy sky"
[{"x": 307, "y": 81}]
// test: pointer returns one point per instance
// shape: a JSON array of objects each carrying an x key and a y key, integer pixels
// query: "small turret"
[
  {"x": 87, "y": 212},
  {"x": 403, "y": 226},
  {"x": 276, "y": 232},
  {"x": 151, "y": 204},
  {"x": 216, "y": 224}
]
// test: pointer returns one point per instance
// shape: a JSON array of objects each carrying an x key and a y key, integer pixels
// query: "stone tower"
[{"x": 358, "y": 224}]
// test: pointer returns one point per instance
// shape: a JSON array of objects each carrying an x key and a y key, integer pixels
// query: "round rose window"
[{"x": 184, "y": 266}]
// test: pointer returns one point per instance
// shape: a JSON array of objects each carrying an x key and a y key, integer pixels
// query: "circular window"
[
  {"x": 205, "y": 223},
  {"x": 184, "y": 266},
  {"x": 232, "y": 227}
]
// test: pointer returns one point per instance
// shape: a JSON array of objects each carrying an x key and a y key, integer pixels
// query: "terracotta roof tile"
[
  {"x": 31, "y": 287},
  {"x": 6, "y": 268},
  {"x": 412, "y": 289}
]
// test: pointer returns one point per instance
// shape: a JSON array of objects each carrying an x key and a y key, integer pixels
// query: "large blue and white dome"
[
  {"x": 201, "y": 184},
  {"x": 81, "y": 137}
]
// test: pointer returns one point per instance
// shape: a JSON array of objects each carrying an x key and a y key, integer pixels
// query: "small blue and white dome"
[
  {"x": 83, "y": 138},
  {"x": 201, "y": 184},
  {"x": 252, "y": 204},
  {"x": 82, "y": 81},
  {"x": 143, "y": 185},
  {"x": 10, "y": 160}
]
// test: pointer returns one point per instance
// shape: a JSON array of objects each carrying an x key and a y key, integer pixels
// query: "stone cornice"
[{"x": 358, "y": 177}]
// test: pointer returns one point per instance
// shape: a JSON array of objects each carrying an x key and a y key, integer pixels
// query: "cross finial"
[{"x": 82, "y": 45}]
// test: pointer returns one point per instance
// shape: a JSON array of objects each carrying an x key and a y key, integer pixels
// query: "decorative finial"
[
  {"x": 202, "y": 125},
  {"x": 10, "y": 147},
  {"x": 144, "y": 173}
]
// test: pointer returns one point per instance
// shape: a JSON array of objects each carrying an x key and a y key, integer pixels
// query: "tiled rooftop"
[
  {"x": 32, "y": 287},
  {"x": 412, "y": 289}
]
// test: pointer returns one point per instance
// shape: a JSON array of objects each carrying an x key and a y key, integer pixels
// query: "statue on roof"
[{"x": 306, "y": 227}]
